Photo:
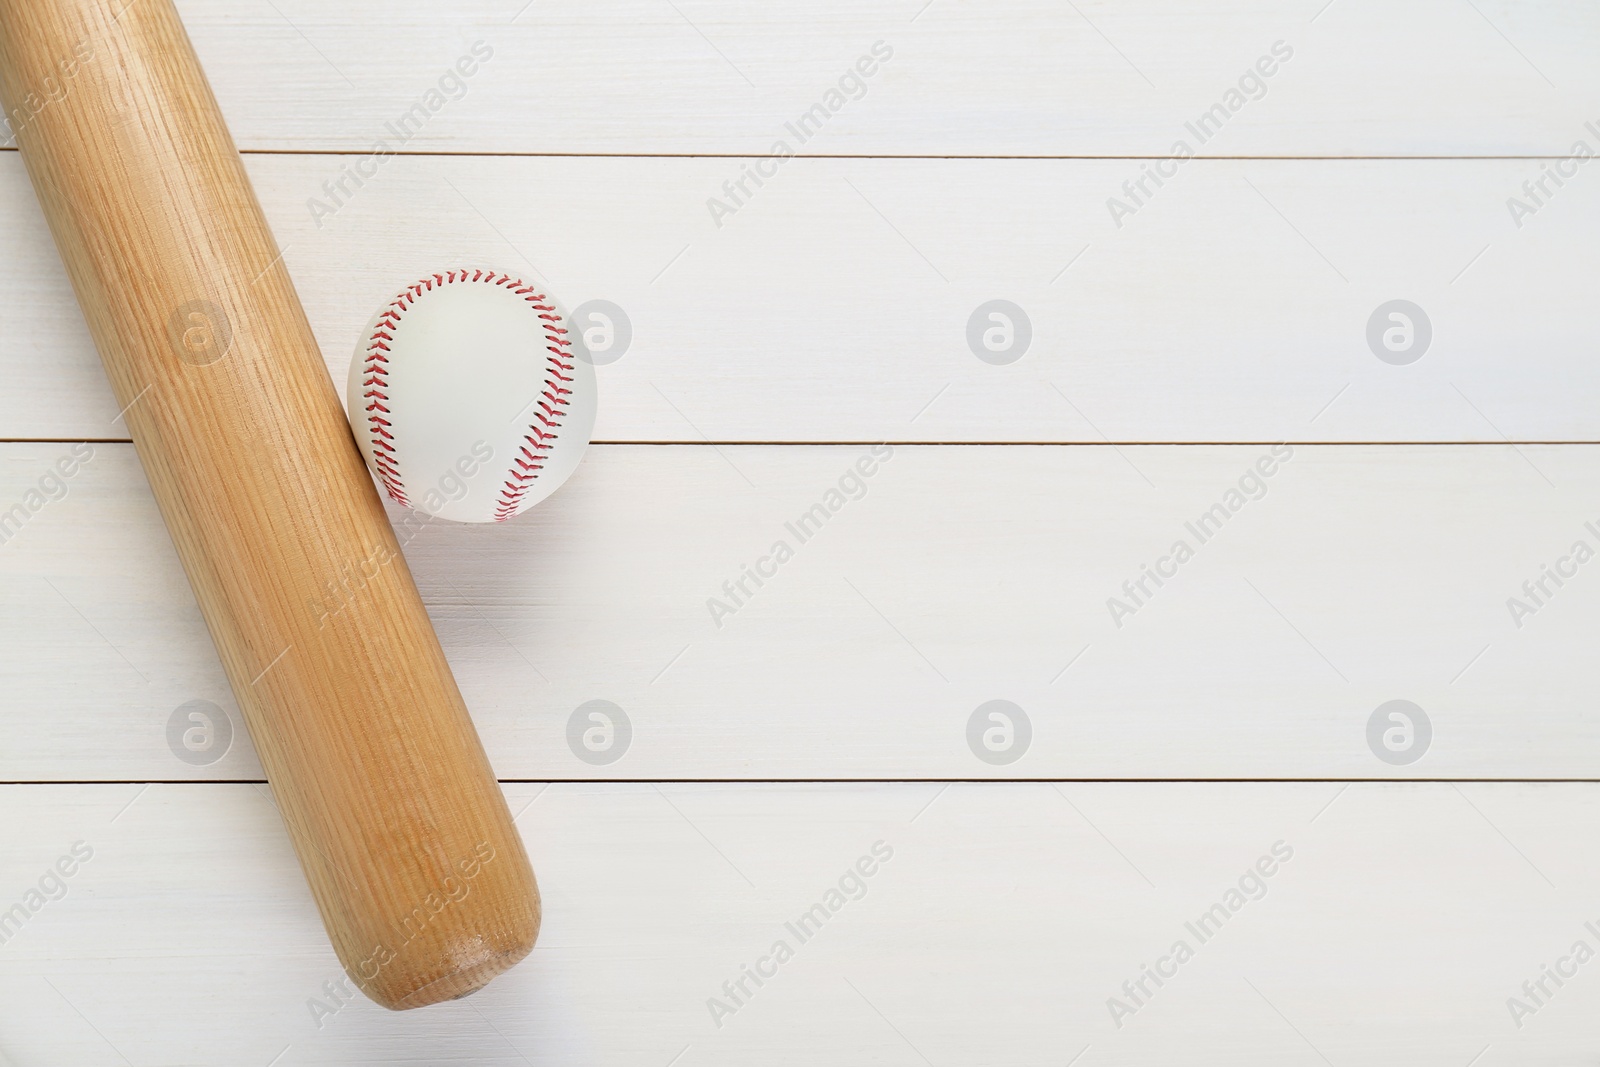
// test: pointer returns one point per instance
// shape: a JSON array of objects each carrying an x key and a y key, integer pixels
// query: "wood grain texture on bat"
[{"x": 402, "y": 830}]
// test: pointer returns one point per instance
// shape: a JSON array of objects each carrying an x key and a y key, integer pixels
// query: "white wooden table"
[{"x": 1208, "y": 757}]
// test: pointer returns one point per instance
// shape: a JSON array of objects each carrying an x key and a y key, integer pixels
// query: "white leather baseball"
[{"x": 468, "y": 396}]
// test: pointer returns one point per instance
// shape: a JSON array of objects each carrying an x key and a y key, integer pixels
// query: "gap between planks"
[
  {"x": 876, "y": 781},
  {"x": 867, "y": 155},
  {"x": 702, "y": 443}
]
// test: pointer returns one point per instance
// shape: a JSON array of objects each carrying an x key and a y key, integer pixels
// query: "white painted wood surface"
[
  {"x": 1014, "y": 77},
  {"x": 831, "y": 306},
  {"x": 959, "y": 576},
  {"x": 1232, "y": 307},
  {"x": 1006, "y": 917}
]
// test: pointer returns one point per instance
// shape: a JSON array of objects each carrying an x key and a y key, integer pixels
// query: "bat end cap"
[
  {"x": 458, "y": 983},
  {"x": 459, "y": 966}
]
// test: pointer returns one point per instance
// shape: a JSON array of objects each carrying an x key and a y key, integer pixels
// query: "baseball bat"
[{"x": 420, "y": 876}]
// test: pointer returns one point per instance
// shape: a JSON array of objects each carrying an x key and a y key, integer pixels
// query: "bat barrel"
[{"x": 398, "y": 821}]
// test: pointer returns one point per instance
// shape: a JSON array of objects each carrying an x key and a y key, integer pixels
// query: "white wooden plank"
[
  {"x": 1234, "y": 306},
  {"x": 1005, "y": 919},
  {"x": 963, "y": 575},
  {"x": 1025, "y": 77}
]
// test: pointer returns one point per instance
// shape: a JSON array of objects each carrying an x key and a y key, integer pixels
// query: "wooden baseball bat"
[{"x": 402, "y": 829}]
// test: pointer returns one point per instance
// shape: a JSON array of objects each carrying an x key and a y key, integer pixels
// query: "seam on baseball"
[{"x": 550, "y": 407}]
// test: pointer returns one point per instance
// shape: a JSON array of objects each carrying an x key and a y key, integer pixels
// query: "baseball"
[{"x": 469, "y": 397}]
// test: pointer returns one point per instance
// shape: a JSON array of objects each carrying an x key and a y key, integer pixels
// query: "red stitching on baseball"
[{"x": 556, "y": 394}]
